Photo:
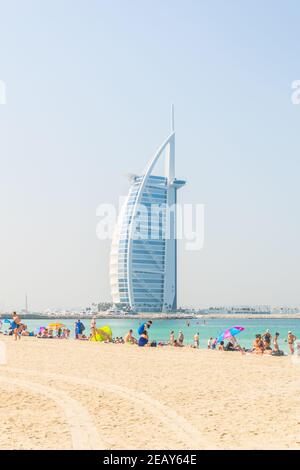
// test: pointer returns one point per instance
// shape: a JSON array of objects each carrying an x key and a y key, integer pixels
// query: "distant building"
[{"x": 143, "y": 261}]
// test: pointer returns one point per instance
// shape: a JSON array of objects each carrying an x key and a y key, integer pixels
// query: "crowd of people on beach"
[{"x": 263, "y": 343}]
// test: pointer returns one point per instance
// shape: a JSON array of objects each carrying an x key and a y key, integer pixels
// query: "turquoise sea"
[{"x": 160, "y": 329}]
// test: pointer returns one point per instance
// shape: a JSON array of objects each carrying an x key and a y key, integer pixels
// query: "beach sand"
[{"x": 63, "y": 394}]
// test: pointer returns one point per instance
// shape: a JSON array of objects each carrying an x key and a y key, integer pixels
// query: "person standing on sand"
[
  {"x": 144, "y": 327},
  {"x": 180, "y": 338},
  {"x": 275, "y": 342},
  {"x": 93, "y": 326},
  {"x": 196, "y": 340},
  {"x": 291, "y": 340},
  {"x": 16, "y": 325},
  {"x": 172, "y": 338},
  {"x": 79, "y": 329}
]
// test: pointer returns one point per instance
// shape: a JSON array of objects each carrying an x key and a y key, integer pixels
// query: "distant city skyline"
[{"x": 88, "y": 87}]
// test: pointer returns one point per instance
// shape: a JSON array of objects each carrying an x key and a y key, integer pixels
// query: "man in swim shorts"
[
  {"x": 16, "y": 325},
  {"x": 196, "y": 340},
  {"x": 180, "y": 338}
]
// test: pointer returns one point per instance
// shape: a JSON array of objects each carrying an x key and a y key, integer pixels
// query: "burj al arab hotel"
[{"x": 143, "y": 260}]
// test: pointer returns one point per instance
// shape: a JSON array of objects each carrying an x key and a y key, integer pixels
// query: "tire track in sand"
[
  {"x": 178, "y": 425},
  {"x": 84, "y": 434}
]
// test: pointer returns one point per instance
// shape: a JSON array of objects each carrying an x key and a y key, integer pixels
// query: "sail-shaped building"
[{"x": 143, "y": 260}]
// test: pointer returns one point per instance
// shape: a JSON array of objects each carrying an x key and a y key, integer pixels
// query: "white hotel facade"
[{"x": 143, "y": 260}]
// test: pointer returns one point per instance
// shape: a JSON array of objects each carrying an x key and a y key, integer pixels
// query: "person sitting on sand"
[
  {"x": 229, "y": 346},
  {"x": 196, "y": 340},
  {"x": 267, "y": 340},
  {"x": 180, "y": 338},
  {"x": 24, "y": 331},
  {"x": 45, "y": 333},
  {"x": 258, "y": 345},
  {"x": 144, "y": 339},
  {"x": 129, "y": 338},
  {"x": 275, "y": 342},
  {"x": 172, "y": 338},
  {"x": 291, "y": 340},
  {"x": 221, "y": 346}
]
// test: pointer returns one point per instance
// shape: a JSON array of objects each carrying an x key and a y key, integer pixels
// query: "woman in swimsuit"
[{"x": 291, "y": 339}]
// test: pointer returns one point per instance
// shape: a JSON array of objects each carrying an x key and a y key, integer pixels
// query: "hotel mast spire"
[{"x": 172, "y": 119}]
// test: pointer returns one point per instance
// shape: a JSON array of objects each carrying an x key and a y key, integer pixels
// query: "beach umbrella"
[
  {"x": 233, "y": 331},
  {"x": 55, "y": 326}
]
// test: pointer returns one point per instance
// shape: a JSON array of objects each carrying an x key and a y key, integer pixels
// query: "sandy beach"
[{"x": 66, "y": 394}]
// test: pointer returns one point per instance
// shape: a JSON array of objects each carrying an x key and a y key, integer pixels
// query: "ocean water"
[{"x": 160, "y": 329}]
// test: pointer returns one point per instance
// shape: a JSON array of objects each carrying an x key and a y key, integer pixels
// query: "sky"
[{"x": 89, "y": 85}]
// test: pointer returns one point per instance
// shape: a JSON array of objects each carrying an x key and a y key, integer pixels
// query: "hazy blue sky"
[{"x": 89, "y": 88}]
